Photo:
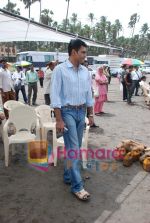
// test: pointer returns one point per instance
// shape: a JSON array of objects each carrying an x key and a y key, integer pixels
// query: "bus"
[
  {"x": 96, "y": 61},
  {"x": 40, "y": 59}
]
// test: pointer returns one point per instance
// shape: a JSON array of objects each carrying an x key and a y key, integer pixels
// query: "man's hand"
[
  {"x": 91, "y": 121},
  {"x": 60, "y": 126},
  {"x": 59, "y": 122}
]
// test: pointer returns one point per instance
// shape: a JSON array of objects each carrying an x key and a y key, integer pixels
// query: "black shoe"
[
  {"x": 34, "y": 104},
  {"x": 137, "y": 95},
  {"x": 94, "y": 126},
  {"x": 130, "y": 103}
]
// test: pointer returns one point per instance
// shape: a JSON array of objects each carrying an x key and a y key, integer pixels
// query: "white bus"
[
  {"x": 111, "y": 60},
  {"x": 95, "y": 61},
  {"x": 40, "y": 59}
]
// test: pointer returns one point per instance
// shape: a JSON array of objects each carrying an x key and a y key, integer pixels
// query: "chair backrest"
[
  {"x": 11, "y": 104},
  {"x": 45, "y": 113},
  {"x": 145, "y": 92},
  {"x": 23, "y": 117}
]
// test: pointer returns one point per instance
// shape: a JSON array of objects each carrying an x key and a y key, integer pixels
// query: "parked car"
[
  {"x": 146, "y": 70},
  {"x": 114, "y": 72},
  {"x": 92, "y": 72}
]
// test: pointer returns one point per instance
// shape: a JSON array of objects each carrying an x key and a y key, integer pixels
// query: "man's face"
[
  {"x": 4, "y": 65},
  {"x": 80, "y": 55}
]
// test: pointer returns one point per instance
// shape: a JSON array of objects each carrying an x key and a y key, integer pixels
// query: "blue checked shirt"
[{"x": 70, "y": 86}]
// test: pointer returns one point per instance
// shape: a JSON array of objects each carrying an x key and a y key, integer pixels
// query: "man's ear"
[{"x": 74, "y": 52}]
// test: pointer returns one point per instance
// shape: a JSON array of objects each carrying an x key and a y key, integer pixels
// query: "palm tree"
[
  {"x": 67, "y": 13},
  {"x": 144, "y": 29},
  {"x": 91, "y": 18},
  {"x": 28, "y": 4},
  {"x": 74, "y": 21},
  {"x": 118, "y": 26},
  {"x": 46, "y": 17},
  {"x": 103, "y": 25},
  {"x": 11, "y": 8},
  {"x": 133, "y": 20},
  {"x": 40, "y": 9}
]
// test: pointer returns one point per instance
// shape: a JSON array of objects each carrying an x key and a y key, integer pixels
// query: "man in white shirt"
[
  {"x": 47, "y": 81},
  {"x": 19, "y": 80},
  {"x": 136, "y": 76},
  {"x": 6, "y": 85}
]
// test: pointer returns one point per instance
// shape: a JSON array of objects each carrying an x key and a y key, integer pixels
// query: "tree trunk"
[
  {"x": 40, "y": 10},
  {"x": 67, "y": 15},
  {"x": 29, "y": 11}
]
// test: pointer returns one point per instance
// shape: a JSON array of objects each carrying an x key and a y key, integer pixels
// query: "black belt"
[{"x": 74, "y": 106}]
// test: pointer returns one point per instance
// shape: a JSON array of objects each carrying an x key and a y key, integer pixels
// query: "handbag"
[
  {"x": 17, "y": 86},
  {"x": 96, "y": 92}
]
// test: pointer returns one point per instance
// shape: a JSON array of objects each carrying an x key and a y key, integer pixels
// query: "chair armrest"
[
  {"x": 5, "y": 127},
  {"x": 5, "y": 130}
]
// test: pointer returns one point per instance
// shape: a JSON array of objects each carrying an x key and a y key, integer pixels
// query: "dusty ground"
[{"x": 119, "y": 195}]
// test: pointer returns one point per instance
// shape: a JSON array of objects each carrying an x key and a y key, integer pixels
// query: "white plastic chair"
[
  {"x": 145, "y": 94},
  {"x": 11, "y": 104},
  {"x": 23, "y": 118},
  {"x": 46, "y": 123},
  {"x": 59, "y": 142}
]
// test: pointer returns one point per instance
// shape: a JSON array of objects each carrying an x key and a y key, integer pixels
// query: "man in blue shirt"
[{"x": 71, "y": 96}]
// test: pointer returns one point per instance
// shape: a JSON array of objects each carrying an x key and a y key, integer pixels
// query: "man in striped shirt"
[{"x": 71, "y": 96}]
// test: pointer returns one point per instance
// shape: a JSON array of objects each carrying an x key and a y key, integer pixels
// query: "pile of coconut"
[{"x": 130, "y": 151}]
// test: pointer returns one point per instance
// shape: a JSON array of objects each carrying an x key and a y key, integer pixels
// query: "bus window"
[
  {"x": 21, "y": 57},
  {"x": 29, "y": 58},
  {"x": 48, "y": 58},
  {"x": 90, "y": 60},
  {"x": 100, "y": 62}
]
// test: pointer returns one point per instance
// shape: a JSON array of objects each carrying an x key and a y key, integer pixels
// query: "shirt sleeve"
[
  {"x": 1, "y": 76},
  {"x": 27, "y": 77},
  {"x": 56, "y": 86},
  {"x": 23, "y": 77},
  {"x": 89, "y": 99}
]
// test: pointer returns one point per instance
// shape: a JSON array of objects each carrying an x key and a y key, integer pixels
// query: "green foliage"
[{"x": 11, "y": 8}]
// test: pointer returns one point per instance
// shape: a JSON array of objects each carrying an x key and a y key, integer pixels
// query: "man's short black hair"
[
  {"x": 143, "y": 78},
  {"x": 76, "y": 45}
]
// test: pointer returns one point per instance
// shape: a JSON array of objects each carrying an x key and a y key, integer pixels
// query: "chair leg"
[
  {"x": 84, "y": 161},
  {"x": 55, "y": 155},
  {"x": 6, "y": 151},
  {"x": 84, "y": 156},
  {"x": 44, "y": 134}
]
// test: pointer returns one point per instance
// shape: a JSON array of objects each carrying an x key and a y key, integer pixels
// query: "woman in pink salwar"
[{"x": 101, "y": 84}]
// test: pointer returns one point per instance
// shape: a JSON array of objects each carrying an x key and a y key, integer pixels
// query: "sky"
[{"x": 112, "y": 9}]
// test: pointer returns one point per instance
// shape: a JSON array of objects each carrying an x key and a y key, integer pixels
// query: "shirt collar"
[{"x": 69, "y": 64}]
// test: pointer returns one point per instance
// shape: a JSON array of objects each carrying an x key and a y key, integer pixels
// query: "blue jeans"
[{"x": 74, "y": 120}]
